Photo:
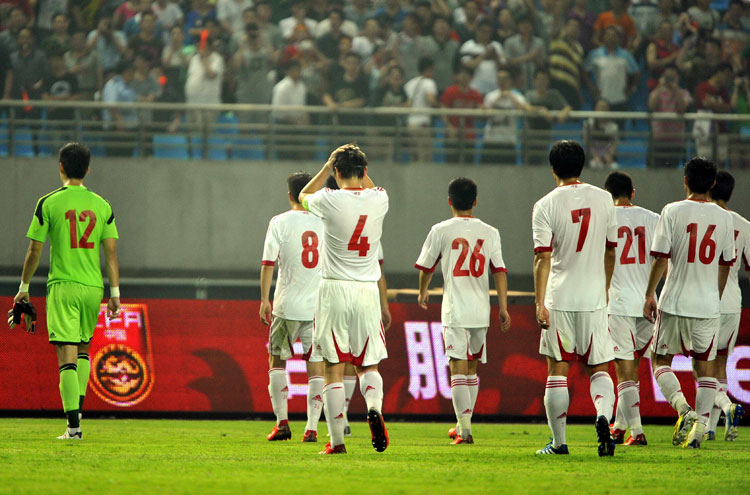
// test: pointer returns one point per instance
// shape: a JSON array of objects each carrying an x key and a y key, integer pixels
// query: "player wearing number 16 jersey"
[
  {"x": 469, "y": 250},
  {"x": 696, "y": 238},
  {"x": 292, "y": 240},
  {"x": 575, "y": 234},
  {"x": 347, "y": 325}
]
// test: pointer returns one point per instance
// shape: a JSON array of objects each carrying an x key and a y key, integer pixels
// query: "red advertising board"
[{"x": 210, "y": 356}]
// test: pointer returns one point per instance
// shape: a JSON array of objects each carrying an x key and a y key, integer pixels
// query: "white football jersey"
[
  {"x": 576, "y": 223},
  {"x": 294, "y": 241},
  {"x": 353, "y": 225},
  {"x": 696, "y": 236},
  {"x": 635, "y": 233},
  {"x": 469, "y": 249},
  {"x": 731, "y": 300}
]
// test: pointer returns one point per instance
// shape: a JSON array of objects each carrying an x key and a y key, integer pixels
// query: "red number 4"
[
  {"x": 83, "y": 242},
  {"x": 358, "y": 243},
  {"x": 582, "y": 216}
]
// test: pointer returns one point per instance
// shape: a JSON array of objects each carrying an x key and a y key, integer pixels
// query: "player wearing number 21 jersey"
[
  {"x": 347, "y": 325},
  {"x": 696, "y": 238},
  {"x": 470, "y": 250}
]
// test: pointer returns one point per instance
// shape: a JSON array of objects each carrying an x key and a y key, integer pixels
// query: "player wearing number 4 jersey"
[
  {"x": 630, "y": 331},
  {"x": 575, "y": 234},
  {"x": 347, "y": 324},
  {"x": 469, "y": 249},
  {"x": 77, "y": 222},
  {"x": 293, "y": 240},
  {"x": 696, "y": 238}
]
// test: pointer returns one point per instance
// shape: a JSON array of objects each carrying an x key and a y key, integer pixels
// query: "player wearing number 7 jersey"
[
  {"x": 293, "y": 240},
  {"x": 575, "y": 234},
  {"x": 77, "y": 222},
  {"x": 696, "y": 238},
  {"x": 347, "y": 324},
  {"x": 469, "y": 249}
]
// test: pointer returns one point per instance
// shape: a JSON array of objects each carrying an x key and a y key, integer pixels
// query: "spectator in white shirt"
[
  {"x": 422, "y": 93},
  {"x": 290, "y": 91},
  {"x": 167, "y": 13},
  {"x": 203, "y": 85},
  {"x": 229, "y": 13},
  {"x": 484, "y": 56},
  {"x": 298, "y": 26}
]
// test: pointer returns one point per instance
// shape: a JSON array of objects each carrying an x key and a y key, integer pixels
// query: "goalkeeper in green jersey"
[{"x": 77, "y": 222}]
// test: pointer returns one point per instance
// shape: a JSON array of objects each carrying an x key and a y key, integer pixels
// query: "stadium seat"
[
  {"x": 3, "y": 139},
  {"x": 633, "y": 146},
  {"x": 22, "y": 142},
  {"x": 217, "y": 148},
  {"x": 247, "y": 148},
  {"x": 173, "y": 146}
]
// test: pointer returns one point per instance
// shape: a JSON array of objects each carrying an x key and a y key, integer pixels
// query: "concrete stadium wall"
[{"x": 198, "y": 216}]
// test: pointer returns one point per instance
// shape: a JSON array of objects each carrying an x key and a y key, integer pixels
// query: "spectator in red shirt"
[
  {"x": 618, "y": 16},
  {"x": 460, "y": 130},
  {"x": 661, "y": 53},
  {"x": 712, "y": 96}
]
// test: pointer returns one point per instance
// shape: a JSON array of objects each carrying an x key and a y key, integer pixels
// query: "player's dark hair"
[
  {"x": 331, "y": 182},
  {"x": 350, "y": 162},
  {"x": 619, "y": 185},
  {"x": 425, "y": 63},
  {"x": 75, "y": 159},
  {"x": 700, "y": 173},
  {"x": 295, "y": 182},
  {"x": 722, "y": 190},
  {"x": 567, "y": 159},
  {"x": 462, "y": 192}
]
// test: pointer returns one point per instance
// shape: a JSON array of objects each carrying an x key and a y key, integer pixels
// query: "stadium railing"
[{"x": 262, "y": 132}]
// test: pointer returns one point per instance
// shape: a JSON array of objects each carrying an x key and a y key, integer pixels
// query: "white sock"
[
  {"x": 603, "y": 394},
  {"x": 278, "y": 389},
  {"x": 472, "y": 381},
  {"x": 314, "y": 402},
  {"x": 670, "y": 388},
  {"x": 350, "y": 383},
  {"x": 722, "y": 399},
  {"x": 705, "y": 397},
  {"x": 461, "y": 403},
  {"x": 629, "y": 403},
  {"x": 621, "y": 422},
  {"x": 334, "y": 399},
  {"x": 371, "y": 387},
  {"x": 556, "y": 402}
]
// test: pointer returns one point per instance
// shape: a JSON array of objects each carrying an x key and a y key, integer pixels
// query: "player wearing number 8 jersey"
[
  {"x": 293, "y": 240},
  {"x": 347, "y": 325},
  {"x": 469, "y": 250},
  {"x": 77, "y": 222},
  {"x": 575, "y": 234},
  {"x": 696, "y": 238}
]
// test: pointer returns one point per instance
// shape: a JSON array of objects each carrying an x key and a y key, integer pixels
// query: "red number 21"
[
  {"x": 83, "y": 242},
  {"x": 583, "y": 216}
]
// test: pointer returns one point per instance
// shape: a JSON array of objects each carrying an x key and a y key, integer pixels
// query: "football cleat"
[
  {"x": 280, "y": 432},
  {"x": 310, "y": 436},
  {"x": 461, "y": 440},
  {"x": 618, "y": 435},
  {"x": 693, "y": 440},
  {"x": 379, "y": 433},
  {"x": 552, "y": 450},
  {"x": 71, "y": 434},
  {"x": 683, "y": 425},
  {"x": 347, "y": 431},
  {"x": 709, "y": 436},
  {"x": 637, "y": 440},
  {"x": 453, "y": 433},
  {"x": 338, "y": 449},
  {"x": 732, "y": 420},
  {"x": 606, "y": 445}
]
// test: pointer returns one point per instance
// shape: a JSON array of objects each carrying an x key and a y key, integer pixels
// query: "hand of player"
[
  {"x": 422, "y": 299},
  {"x": 21, "y": 297},
  {"x": 504, "y": 320},
  {"x": 385, "y": 317},
  {"x": 649, "y": 309},
  {"x": 265, "y": 312},
  {"x": 542, "y": 316},
  {"x": 113, "y": 307}
]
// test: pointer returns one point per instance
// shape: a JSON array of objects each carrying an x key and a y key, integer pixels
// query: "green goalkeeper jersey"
[{"x": 75, "y": 220}]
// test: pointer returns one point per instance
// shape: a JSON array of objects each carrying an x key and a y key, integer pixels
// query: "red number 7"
[{"x": 583, "y": 216}]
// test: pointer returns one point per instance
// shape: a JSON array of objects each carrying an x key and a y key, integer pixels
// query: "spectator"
[
  {"x": 618, "y": 16},
  {"x": 740, "y": 103},
  {"x": 660, "y": 53},
  {"x": 270, "y": 31},
  {"x": 390, "y": 14},
  {"x": 358, "y": 11},
  {"x": 601, "y": 134},
  {"x": 368, "y": 43},
  {"x": 703, "y": 16},
  {"x": 252, "y": 64},
  {"x": 614, "y": 71},
  {"x": 347, "y": 27},
  {"x": 133, "y": 25},
  {"x": 328, "y": 43},
  {"x": 312, "y": 65},
  {"x": 440, "y": 47},
  {"x": 426, "y": 15},
  {"x": 195, "y": 21},
  {"x": 239, "y": 38},
  {"x": 668, "y": 136},
  {"x": 175, "y": 59},
  {"x": 291, "y": 91},
  {"x": 466, "y": 19},
  {"x": 146, "y": 42},
  {"x": 146, "y": 86},
  {"x": 203, "y": 85},
  {"x": 298, "y": 26},
  {"x": 422, "y": 93},
  {"x": 645, "y": 14},
  {"x": 484, "y": 57},
  {"x": 735, "y": 35},
  {"x": 711, "y": 96},
  {"x": 505, "y": 27},
  {"x": 703, "y": 64},
  {"x": 566, "y": 63},
  {"x": 389, "y": 94},
  {"x": 501, "y": 132},
  {"x": 84, "y": 65},
  {"x": 121, "y": 119},
  {"x": 348, "y": 88},
  {"x": 548, "y": 19},
  {"x": 666, "y": 13},
  {"x": 167, "y": 14},
  {"x": 544, "y": 100},
  {"x": 587, "y": 20},
  {"x": 229, "y": 13},
  {"x": 109, "y": 45},
  {"x": 15, "y": 20},
  {"x": 525, "y": 52},
  {"x": 404, "y": 45},
  {"x": 125, "y": 11},
  {"x": 46, "y": 11},
  {"x": 59, "y": 40},
  {"x": 460, "y": 129},
  {"x": 317, "y": 9},
  {"x": 59, "y": 85}
]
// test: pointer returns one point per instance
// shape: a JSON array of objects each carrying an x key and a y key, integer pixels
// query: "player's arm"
[
  {"x": 385, "y": 312},
  {"x": 30, "y": 264},
  {"x": 113, "y": 273},
  {"x": 501, "y": 286},
  {"x": 266, "y": 277},
  {"x": 319, "y": 180},
  {"x": 424, "y": 285},
  {"x": 658, "y": 267},
  {"x": 723, "y": 277},
  {"x": 610, "y": 255},
  {"x": 542, "y": 263}
]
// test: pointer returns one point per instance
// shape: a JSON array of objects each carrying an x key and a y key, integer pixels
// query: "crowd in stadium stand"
[{"x": 538, "y": 55}]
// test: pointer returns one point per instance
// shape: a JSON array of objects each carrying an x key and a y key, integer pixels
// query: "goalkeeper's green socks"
[
  {"x": 84, "y": 370},
  {"x": 69, "y": 393}
]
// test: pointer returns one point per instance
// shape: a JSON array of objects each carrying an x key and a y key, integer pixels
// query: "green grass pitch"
[{"x": 212, "y": 457}]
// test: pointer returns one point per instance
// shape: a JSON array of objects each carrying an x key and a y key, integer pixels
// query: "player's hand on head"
[
  {"x": 649, "y": 309},
  {"x": 542, "y": 316},
  {"x": 113, "y": 307},
  {"x": 422, "y": 299},
  {"x": 504, "y": 320},
  {"x": 265, "y": 312}
]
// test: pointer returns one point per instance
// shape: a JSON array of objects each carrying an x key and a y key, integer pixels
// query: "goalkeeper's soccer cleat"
[
  {"x": 618, "y": 435},
  {"x": 453, "y": 433},
  {"x": 552, "y": 450},
  {"x": 461, "y": 440},
  {"x": 71, "y": 434},
  {"x": 736, "y": 411},
  {"x": 683, "y": 425},
  {"x": 338, "y": 449},
  {"x": 693, "y": 440},
  {"x": 280, "y": 432},
  {"x": 379, "y": 433},
  {"x": 310, "y": 436},
  {"x": 606, "y": 445},
  {"x": 637, "y": 440}
]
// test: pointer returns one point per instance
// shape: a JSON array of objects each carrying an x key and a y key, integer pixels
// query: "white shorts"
[
  {"x": 465, "y": 344},
  {"x": 283, "y": 335},
  {"x": 691, "y": 337},
  {"x": 347, "y": 325},
  {"x": 631, "y": 336},
  {"x": 729, "y": 327},
  {"x": 582, "y": 333}
]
